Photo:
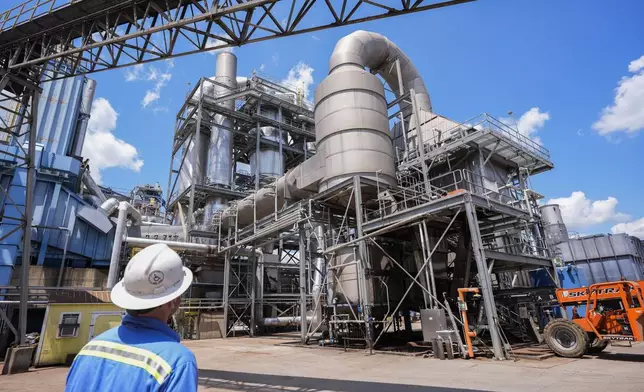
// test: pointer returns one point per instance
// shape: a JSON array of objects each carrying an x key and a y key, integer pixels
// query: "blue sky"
[{"x": 562, "y": 59}]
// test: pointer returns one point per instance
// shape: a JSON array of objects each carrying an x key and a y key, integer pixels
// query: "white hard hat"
[{"x": 153, "y": 277}]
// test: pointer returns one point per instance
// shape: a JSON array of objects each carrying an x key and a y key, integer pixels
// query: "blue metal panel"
[
  {"x": 48, "y": 220},
  {"x": 11, "y": 220},
  {"x": 58, "y": 113}
]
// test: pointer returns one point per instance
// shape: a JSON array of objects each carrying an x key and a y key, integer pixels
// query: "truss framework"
[{"x": 83, "y": 37}]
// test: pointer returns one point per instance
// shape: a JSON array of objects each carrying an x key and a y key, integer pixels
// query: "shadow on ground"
[
  {"x": 237, "y": 381},
  {"x": 626, "y": 357}
]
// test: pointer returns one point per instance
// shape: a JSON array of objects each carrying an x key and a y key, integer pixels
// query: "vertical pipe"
[
  {"x": 431, "y": 266},
  {"x": 402, "y": 116},
  {"x": 362, "y": 247},
  {"x": 121, "y": 227},
  {"x": 29, "y": 212},
  {"x": 422, "y": 229},
  {"x": 61, "y": 271},
  {"x": 253, "y": 293},
  {"x": 484, "y": 280},
  {"x": 302, "y": 253},
  {"x": 424, "y": 251},
  {"x": 420, "y": 140},
  {"x": 226, "y": 289},
  {"x": 191, "y": 204}
]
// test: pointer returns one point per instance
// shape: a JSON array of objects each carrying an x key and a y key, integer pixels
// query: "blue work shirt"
[{"x": 142, "y": 354}]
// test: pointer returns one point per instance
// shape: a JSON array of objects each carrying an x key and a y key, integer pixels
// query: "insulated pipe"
[
  {"x": 283, "y": 321},
  {"x": 201, "y": 248},
  {"x": 125, "y": 209},
  {"x": 109, "y": 206},
  {"x": 92, "y": 187},
  {"x": 220, "y": 146},
  {"x": 376, "y": 52},
  {"x": 89, "y": 89}
]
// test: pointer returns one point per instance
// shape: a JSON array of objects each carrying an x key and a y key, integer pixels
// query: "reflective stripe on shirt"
[{"x": 156, "y": 366}]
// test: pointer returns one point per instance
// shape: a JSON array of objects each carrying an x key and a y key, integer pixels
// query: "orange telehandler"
[{"x": 614, "y": 312}]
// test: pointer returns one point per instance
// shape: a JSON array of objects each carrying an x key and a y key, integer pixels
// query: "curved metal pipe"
[
  {"x": 376, "y": 52},
  {"x": 124, "y": 209},
  {"x": 92, "y": 187},
  {"x": 109, "y": 206}
]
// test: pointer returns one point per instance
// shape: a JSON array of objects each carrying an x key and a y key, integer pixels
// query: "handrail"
[
  {"x": 35, "y": 5},
  {"x": 482, "y": 122}
]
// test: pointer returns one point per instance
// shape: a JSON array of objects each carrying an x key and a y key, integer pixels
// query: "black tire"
[
  {"x": 565, "y": 338},
  {"x": 596, "y": 346}
]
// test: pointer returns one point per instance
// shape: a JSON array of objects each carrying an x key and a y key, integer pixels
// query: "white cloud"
[
  {"x": 213, "y": 42},
  {"x": 262, "y": 67},
  {"x": 153, "y": 75},
  {"x": 634, "y": 228},
  {"x": 636, "y": 65},
  {"x": 134, "y": 73},
  {"x": 316, "y": 38},
  {"x": 275, "y": 58},
  {"x": 103, "y": 149},
  {"x": 579, "y": 212},
  {"x": 160, "y": 80},
  {"x": 626, "y": 114},
  {"x": 529, "y": 123},
  {"x": 300, "y": 77}
]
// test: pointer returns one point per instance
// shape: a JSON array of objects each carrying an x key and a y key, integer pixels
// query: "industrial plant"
[{"x": 363, "y": 219}]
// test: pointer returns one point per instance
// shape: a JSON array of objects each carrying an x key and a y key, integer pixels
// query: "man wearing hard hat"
[{"x": 143, "y": 353}]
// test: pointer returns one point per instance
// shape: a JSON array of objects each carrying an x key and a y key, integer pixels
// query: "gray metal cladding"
[
  {"x": 553, "y": 224},
  {"x": 271, "y": 162},
  {"x": 376, "y": 52},
  {"x": 219, "y": 150},
  {"x": 352, "y": 129},
  {"x": 194, "y": 161},
  {"x": 220, "y": 146}
]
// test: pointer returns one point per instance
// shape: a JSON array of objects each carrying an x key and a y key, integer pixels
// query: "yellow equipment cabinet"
[{"x": 71, "y": 320}]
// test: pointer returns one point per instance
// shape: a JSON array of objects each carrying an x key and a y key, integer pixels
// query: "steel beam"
[
  {"x": 111, "y": 35},
  {"x": 302, "y": 255},
  {"x": 484, "y": 280}
]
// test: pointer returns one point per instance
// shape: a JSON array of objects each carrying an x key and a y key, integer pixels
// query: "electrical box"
[{"x": 432, "y": 320}]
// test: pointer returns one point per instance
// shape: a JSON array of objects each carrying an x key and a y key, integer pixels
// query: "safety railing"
[
  {"x": 528, "y": 246},
  {"x": 411, "y": 192},
  {"x": 197, "y": 304},
  {"x": 482, "y": 122},
  {"x": 30, "y": 10}
]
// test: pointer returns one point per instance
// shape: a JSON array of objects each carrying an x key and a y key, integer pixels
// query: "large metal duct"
[
  {"x": 220, "y": 146},
  {"x": 376, "y": 52},
  {"x": 194, "y": 161},
  {"x": 352, "y": 125},
  {"x": 89, "y": 89},
  {"x": 553, "y": 225},
  {"x": 270, "y": 162}
]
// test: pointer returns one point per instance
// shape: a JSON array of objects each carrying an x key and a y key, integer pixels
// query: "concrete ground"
[{"x": 269, "y": 365}]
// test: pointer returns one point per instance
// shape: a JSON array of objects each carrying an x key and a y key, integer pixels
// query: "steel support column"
[
  {"x": 484, "y": 280},
  {"x": 253, "y": 293},
  {"x": 29, "y": 212},
  {"x": 226, "y": 290},
  {"x": 363, "y": 264},
  {"x": 302, "y": 256}
]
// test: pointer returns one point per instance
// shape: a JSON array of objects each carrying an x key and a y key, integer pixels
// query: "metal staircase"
[{"x": 512, "y": 324}]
